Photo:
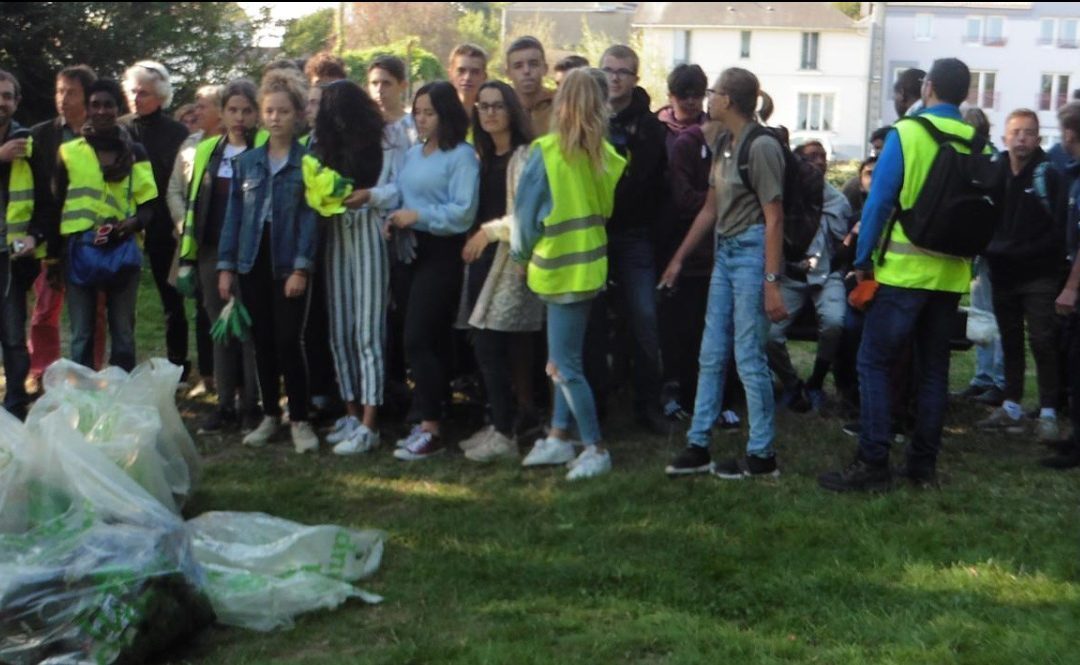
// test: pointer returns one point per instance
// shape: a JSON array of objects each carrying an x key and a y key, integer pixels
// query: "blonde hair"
[{"x": 581, "y": 117}]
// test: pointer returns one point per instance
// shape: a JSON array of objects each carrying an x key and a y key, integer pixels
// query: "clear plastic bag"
[
  {"x": 132, "y": 418},
  {"x": 982, "y": 328},
  {"x": 263, "y": 570},
  {"x": 92, "y": 567}
]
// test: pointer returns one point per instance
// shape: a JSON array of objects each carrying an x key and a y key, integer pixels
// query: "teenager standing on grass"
[
  {"x": 744, "y": 292},
  {"x": 438, "y": 186},
  {"x": 203, "y": 220},
  {"x": 564, "y": 199},
  {"x": 269, "y": 239},
  {"x": 498, "y": 304},
  {"x": 349, "y": 138}
]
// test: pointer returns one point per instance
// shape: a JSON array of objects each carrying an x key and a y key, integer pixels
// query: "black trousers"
[
  {"x": 434, "y": 287},
  {"x": 493, "y": 356},
  {"x": 682, "y": 323},
  {"x": 1071, "y": 338},
  {"x": 1032, "y": 301},
  {"x": 278, "y": 325},
  {"x": 160, "y": 254}
]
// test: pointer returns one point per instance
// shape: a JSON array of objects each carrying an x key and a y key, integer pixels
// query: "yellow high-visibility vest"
[
  {"x": 905, "y": 264},
  {"x": 92, "y": 202},
  {"x": 571, "y": 256}
]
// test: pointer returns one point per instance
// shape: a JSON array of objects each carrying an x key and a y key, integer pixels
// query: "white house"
[
  {"x": 811, "y": 58},
  {"x": 1021, "y": 54}
]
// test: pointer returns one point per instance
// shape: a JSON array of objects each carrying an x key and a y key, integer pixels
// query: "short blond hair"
[{"x": 469, "y": 51}]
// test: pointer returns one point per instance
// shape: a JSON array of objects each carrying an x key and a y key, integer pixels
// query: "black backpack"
[
  {"x": 804, "y": 192},
  {"x": 959, "y": 207}
]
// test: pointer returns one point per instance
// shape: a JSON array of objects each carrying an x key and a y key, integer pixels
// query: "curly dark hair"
[
  {"x": 349, "y": 133},
  {"x": 520, "y": 126}
]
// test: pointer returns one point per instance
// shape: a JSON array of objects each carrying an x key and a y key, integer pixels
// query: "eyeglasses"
[
  {"x": 618, "y": 73},
  {"x": 495, "y": 107},
  {"x": 713, "y": 93}
]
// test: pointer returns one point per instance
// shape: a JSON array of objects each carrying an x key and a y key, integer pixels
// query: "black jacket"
[
  {"x": 48, "y": 136},
  {"x": 638, "y": 135},
  {"x": 162, "y": 137},
  {"x": 1030, "y": 241}
]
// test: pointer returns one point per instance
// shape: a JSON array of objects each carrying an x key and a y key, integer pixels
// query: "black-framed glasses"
[
  {"x": 493, "y": 107},
  {"x": 620, "y": 73}
]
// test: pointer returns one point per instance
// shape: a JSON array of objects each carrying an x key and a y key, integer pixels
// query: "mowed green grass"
[{"x": 498, "y": 564}]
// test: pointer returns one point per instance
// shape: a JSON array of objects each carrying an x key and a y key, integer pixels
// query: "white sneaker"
[
  {"x": 344, "y": 428},
  {"x": 407, "y": 439},
  {"x": 304, "y": 438},
  {"x": 363, "y": 440},
  {"x": 267, "y": 428},
  {"x": 493, "y": 447},
  {"x": 590, "y": 463},
  {"x": 477, "y": 439},
  {"x": 549, "y": 451}
]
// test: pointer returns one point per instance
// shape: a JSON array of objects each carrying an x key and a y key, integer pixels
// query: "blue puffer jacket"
[{"x": 292, "y": 226}]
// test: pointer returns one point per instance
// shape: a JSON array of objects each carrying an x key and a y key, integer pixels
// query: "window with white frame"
[
  {"x": 924, "y": 27},
  {"x": 809, "y": 50},
  {"x": 981, "y": 92},
  {"x": 973, "y": 30},
  {"x": 681, "y": 51},
  {"x": 1046, "y": 31},
  {"x": 995, "y": 31},
  {"x": 1053, "y": 91},
  {"x": 815, "y": 112},
  {"x": 1067, "y": 33}
]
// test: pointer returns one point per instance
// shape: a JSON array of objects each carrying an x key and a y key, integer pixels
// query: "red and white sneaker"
[{"x": 420, "y": 444}]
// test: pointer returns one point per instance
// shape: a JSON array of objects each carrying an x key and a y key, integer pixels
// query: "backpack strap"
[
  {"x": 742, "y": 162},
  {"x": 1039, "y": 184},
  {"x": 976, "y": 143}
]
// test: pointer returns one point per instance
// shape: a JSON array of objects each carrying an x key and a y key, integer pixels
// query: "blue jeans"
[
  {"x": 120, "y": 300},
  {"x": 895, "y": 318},
  {"x": 735, "y": 315},
  {"x": 573, "y": 397},
  {"x": 989, "y": 359}
]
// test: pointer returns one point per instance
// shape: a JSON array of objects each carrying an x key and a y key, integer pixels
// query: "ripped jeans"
[{"x": 573, "y": 396}]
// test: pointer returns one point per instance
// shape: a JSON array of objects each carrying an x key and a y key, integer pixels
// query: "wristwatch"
[{"x": 772, "y": 277}]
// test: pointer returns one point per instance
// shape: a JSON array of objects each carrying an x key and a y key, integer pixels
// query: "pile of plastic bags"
[{"x": 96, "y": 564}]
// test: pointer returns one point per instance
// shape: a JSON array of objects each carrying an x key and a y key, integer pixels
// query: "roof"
[
  {"x": 964, "y": 5},
  {"x": 795, "y": 15},
  {"x": 571, "y": 7}
]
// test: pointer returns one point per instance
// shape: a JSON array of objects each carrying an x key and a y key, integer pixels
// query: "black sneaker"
[
  {"x": 747, "y": 467},
  {"x": 219, "y": 421},
  {"x": 991, "y": 397},
  {"x": 693, "y": 459},
  {"x": 858, "y": 477},
  {"x": 971, "y": 392},
  {"x": 920, "y": 477},
  {"x": 1065, "y": 459}
]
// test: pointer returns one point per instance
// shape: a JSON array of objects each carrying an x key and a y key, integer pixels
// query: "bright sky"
[{"x": 281, "y": 11}]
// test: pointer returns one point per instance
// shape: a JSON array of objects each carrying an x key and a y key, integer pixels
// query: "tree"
[
  {"x": 853, "y": 10},
  {"x": 198, "y": 41},
  {"x": 423, "y": 65},
  {"x": 307, "y": 35},
  {"x": 433, "y": 24}
]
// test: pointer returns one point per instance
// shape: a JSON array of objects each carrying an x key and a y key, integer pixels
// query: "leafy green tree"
[
  {"x": 851, "y": 9},
  {"x": 198, "y": 41},
  {"x": 307, "y": 35},
  {"x": 423, "y": 65}
]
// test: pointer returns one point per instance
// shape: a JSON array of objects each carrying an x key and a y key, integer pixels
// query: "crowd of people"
[{"x": 383, "y": 250}]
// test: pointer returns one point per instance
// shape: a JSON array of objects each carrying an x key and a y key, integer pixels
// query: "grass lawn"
[{"x": 501, "y": 565}]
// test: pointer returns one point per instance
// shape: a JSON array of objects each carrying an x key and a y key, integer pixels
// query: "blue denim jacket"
[{"x": 293, "y": 230}]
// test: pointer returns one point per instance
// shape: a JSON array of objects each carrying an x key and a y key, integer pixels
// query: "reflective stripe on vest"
[
  {"x": 92, "y": 202},
  {"x": 571, "y": 256},
  {"x": 189, "y": 249},
  {"x": 907, "y": 265}
]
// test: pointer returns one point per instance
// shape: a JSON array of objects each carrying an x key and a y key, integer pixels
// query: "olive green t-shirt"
[{"x": 739, "y": 208}]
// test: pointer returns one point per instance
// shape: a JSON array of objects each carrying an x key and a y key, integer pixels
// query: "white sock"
[
  {"x": 1013, "y": 409},
  {"x": 1048, "y": 413}
]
